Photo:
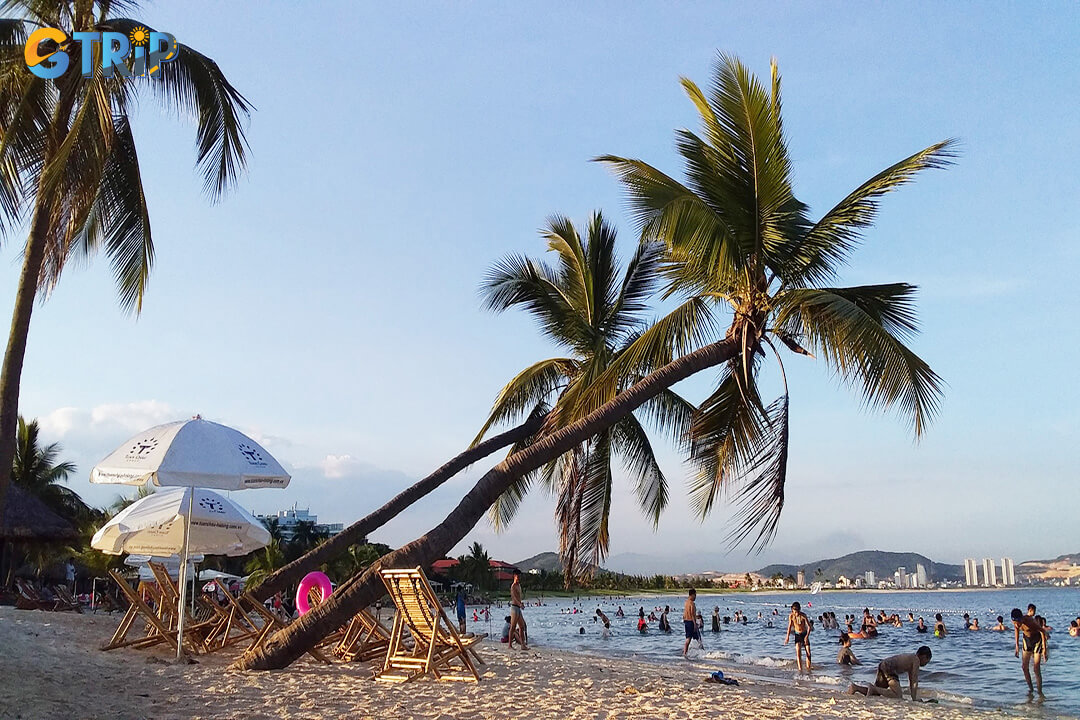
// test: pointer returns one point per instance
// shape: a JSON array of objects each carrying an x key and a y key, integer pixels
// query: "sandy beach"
[{"x": 51, "y": 668}]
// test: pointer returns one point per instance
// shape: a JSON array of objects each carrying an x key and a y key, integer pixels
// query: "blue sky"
[{"x": 329, "y": 306}]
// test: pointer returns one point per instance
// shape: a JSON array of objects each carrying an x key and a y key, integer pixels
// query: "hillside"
[
  {"x": 1063, "y": 566},
  {"x": 546, "y": 561},
  {"x": 884, "y": 564}
]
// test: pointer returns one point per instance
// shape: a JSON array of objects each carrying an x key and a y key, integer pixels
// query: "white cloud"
[{"x": 338, "y": 466}]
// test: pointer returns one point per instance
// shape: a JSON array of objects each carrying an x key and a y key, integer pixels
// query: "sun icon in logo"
[{"x": 140, "y": 36}]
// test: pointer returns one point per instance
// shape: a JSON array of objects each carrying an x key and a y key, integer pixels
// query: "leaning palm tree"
[
  {"x": 36, "y": 469},
  {"x": 739, "y": 240},
  {"x": 736, "y": 233},
  {"x": 585, "y": 307},
  {"x": 69, "y": 167}
]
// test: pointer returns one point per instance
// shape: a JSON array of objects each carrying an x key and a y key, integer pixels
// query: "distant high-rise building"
[
  {"x": 989, "y": 572},
  {"x": 902, "y": 579},
  {"x": 1008, "y": 573},
  {"x": 920, "y": 576},
  {"x": 871, "y": 578},
  {"x": 971, "y": 572},
  {"x": 800, "y": 578}
]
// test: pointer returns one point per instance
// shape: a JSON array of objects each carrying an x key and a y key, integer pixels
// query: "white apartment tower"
[
  {"x": 1008, "y": 573},
  {"x": 901, "y": 577},
  {"x": 920, "y": 576},
  {"x": 971, "y": 572},
  {"x": 871, "y": 578},
  {"x": 989, "y": 572}
]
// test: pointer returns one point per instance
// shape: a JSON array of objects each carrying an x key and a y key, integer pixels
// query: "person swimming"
[
  {"x": 1000, "y": 624},
  {"x": 846, "y": 656},
  {"x": 939, "y": 627},
  {"x": 921, "y": 627}
]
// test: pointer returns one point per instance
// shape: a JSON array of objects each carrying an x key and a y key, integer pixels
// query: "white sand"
[{"x": 50, "y": 667}]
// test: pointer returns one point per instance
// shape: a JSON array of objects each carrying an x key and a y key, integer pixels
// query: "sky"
[{"x": 329, "y": 306}]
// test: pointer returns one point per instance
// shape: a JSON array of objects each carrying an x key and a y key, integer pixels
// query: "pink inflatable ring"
[{"x": 314, "y": 579}]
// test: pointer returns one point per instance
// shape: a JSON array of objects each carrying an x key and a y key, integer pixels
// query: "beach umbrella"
[
  {"x": 158, "y": 524},
  {"x": 191, "y": 453}
]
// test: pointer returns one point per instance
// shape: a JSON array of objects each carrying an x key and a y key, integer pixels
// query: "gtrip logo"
[{"x": 47, "y": 52}]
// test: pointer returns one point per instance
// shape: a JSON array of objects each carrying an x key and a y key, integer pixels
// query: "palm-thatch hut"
[{"x": 27, "y": 519}]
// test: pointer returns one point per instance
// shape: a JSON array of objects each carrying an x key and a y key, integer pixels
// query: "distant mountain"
[
  {"x": 546, "y": 561},
  {"x": 884, "y": 564},
  {"x": 1063, "y": 566}
]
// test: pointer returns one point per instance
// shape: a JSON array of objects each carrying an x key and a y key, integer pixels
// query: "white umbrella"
[
  {"x": 155, "y": 525},
  {"x": 191, "y": 453}
]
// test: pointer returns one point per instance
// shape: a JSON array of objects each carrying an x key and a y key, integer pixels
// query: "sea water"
[{"x": 976, "y": 668}]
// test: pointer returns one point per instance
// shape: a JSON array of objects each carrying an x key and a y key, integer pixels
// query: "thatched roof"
[{"x": 27, "y": 518}]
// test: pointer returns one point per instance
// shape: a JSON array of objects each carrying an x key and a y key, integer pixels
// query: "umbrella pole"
[{"x": 183, "y": 579}]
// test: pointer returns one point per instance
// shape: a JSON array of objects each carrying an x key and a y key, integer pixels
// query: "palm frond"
[
  {"x": 670, "y": 414},
  {"x": 723, "y": 435},
  {"x": 860, "y": 333},
  {"x": 516, "y": 281},
  {"x": 195, "y": 86},
  {"x": 638, "y": 286},
  {"x": 759, "y": 493},
  {"x": 831, "y": 240},
  {"x": 631, "y": 443},
  {"x": 531, "y": 387}
]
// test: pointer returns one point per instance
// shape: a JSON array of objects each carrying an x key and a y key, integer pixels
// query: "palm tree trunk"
[
  {"x": 356, "y": 533},
  {"x": 11, "y": 374},
  {"x": 359, "y": 591}
]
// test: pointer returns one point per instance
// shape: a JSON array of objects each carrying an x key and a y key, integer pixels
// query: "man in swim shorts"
[
  {"x": 799, "y": 624},
  {"x": 1034, "y": 646},
  {"x": 889, "y": 670},
  {"x": 689, "y": 617},
  {"x": 517, "y": 621}
]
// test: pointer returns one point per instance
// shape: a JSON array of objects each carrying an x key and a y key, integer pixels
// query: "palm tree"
[
  {"x": 120, "y": 502},
  {"x": 735, "y": 234},
  {"x": 264, "y": 562},
  {"x": 583, "y": 306},
  {"x": 68, "y": 164},
  {"x": 36, "y": 469},
  {"x": 475, "y": 567}
]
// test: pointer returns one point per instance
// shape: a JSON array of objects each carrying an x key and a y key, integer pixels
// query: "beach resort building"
[
  {"x": 288, "y": 520},
  {"x": 971, "y": 572}
]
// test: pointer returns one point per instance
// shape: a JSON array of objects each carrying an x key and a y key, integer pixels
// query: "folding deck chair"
[
  {"x": 197, "y": 629},
  {"x": 271, "y": 623},
  {"x": 156, "y": 629},
  {"x": 436, "y": 643},
  {"x": 365, "y": 638},
  {"x": 28, "y": 598},
  {"x": 65, "y": 600}
]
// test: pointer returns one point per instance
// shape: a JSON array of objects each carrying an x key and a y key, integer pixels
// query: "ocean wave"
[{"x": 758, "y": 661}]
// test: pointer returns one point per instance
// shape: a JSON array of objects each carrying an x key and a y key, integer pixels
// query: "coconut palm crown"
[
  {"x": 69, "y": 169},
  {"x": 583, "y": 306},
  {"x": 739, "y": 240}
]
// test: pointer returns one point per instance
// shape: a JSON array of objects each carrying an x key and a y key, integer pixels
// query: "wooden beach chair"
[
  {"x": 436, "y": 643},
  {"x": 271, "y": 624},
  {"x": 156, "y": 629},
  {"x": 65, "y": 600},
  {"x": 235, "y": 625},
  {"x": 365, "y": 638},
  {"x": 196, "y": 629},
  {"x": 29, "y": 598}
]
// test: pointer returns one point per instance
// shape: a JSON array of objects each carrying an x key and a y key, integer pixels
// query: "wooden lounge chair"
[
  {"x": 29, "y": 598},
  {"x": 235, "y": 625},
  {"x": 196, "y": 629},
  {"x": 436, "y": 643},
  {"x": 365, "y": 638},
  {"x": 65, "y": 600},
  {"x": 271, "y": 624},
  {"x": 156, "y": 629}
]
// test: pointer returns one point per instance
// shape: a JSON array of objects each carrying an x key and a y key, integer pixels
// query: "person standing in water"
[
  {"x": 1034, "y": 646},
  {"x": 689, "y": 617},
  {"x": 517, "y": 619},
  {"x": 799, "y": 624}
]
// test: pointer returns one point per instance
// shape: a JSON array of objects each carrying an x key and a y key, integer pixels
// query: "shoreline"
[{"x": 61, "y": 674}]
